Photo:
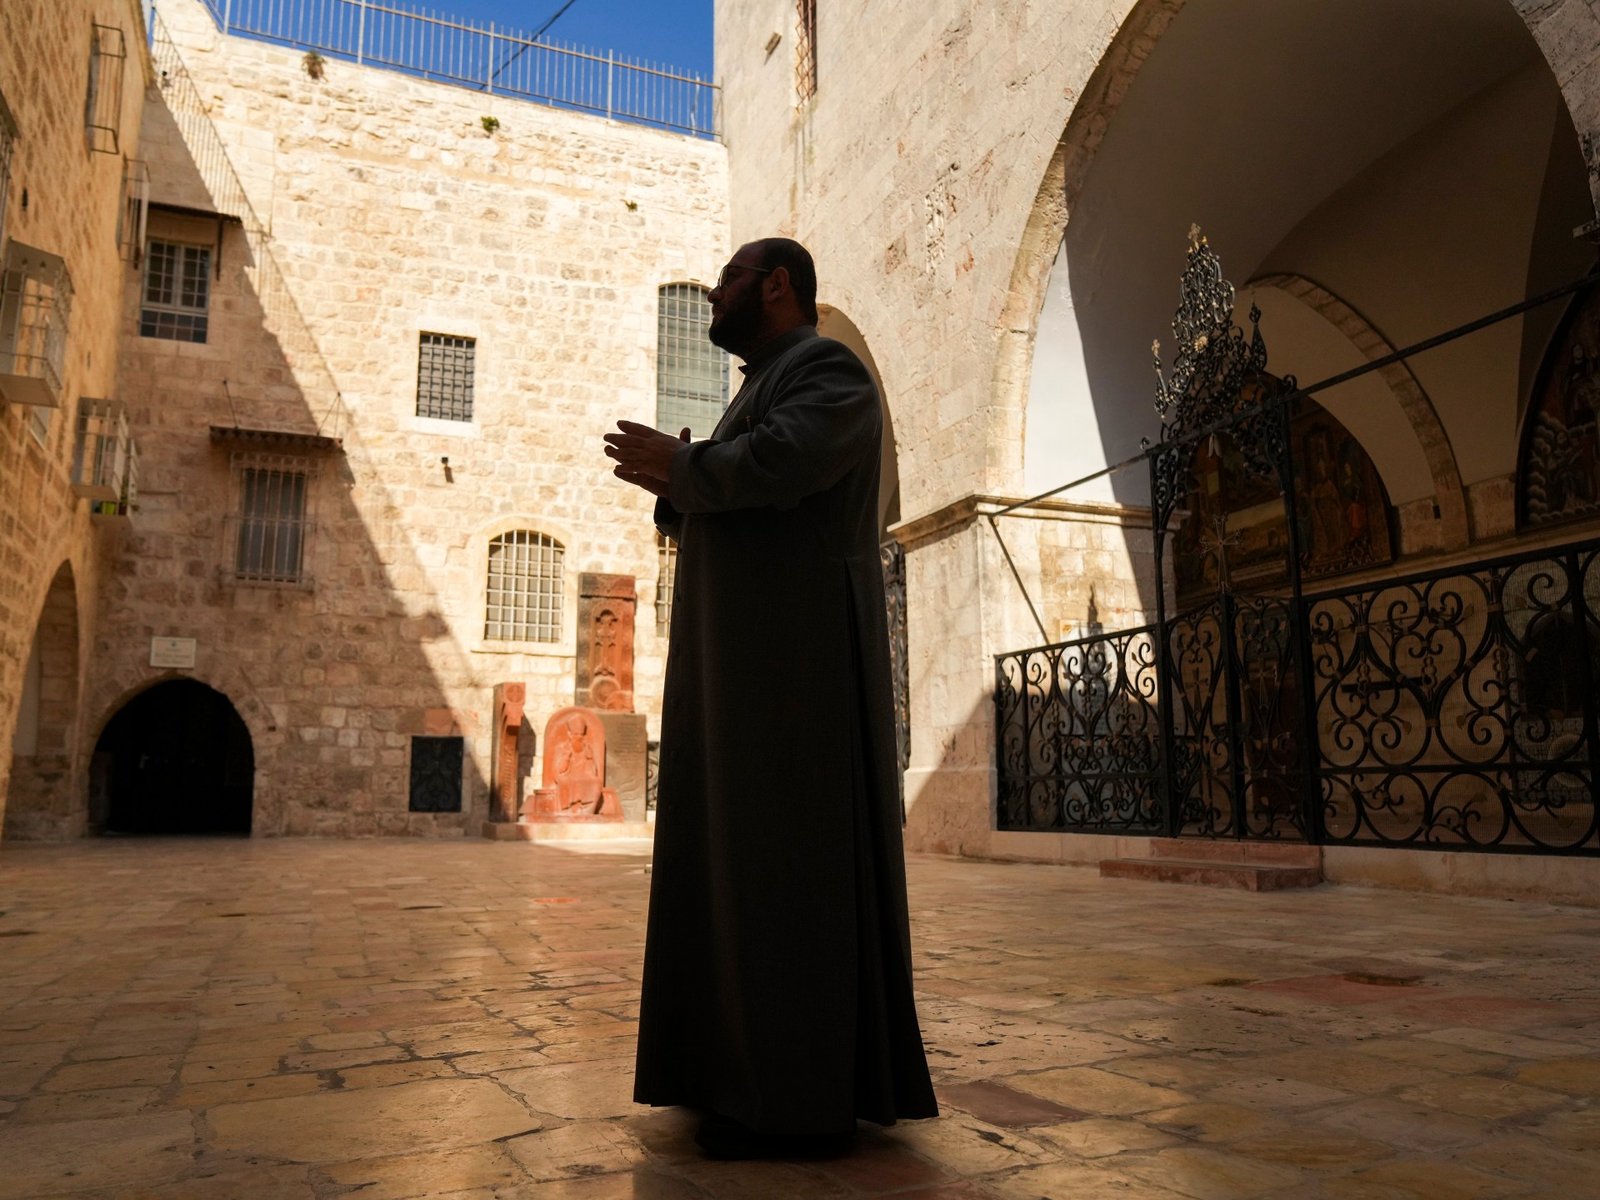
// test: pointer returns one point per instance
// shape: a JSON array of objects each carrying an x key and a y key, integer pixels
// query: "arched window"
[
  {"x": 524, "y": 592},
  {"x": 691, "y": 373}
]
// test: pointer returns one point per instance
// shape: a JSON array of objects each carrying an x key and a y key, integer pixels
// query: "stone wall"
[
  {"x": 393, "y": 212},
  {"x": 65, "y": 200}
]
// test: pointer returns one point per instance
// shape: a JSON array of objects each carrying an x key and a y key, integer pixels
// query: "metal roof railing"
[{"x": 490, "y": 58}]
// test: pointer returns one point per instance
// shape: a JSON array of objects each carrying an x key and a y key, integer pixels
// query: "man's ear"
[{"x": 778, "y": 282}]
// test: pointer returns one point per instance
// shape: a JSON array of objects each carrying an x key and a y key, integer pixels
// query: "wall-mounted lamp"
[
  {"x": 444, "y": 461},
  {"x": 772, "y": 43}
]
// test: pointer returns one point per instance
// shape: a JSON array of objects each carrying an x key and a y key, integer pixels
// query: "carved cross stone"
[{"x": 606, "y": 606}]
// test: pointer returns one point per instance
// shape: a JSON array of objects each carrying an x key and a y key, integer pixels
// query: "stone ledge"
[{"x": 1250, "y": 877}]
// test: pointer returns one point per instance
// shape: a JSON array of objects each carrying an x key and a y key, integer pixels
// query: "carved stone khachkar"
[
  {"x": 574, "y": 782},
  {"x": 606, "y": 605},
  {"x": 505, "y": 784}
]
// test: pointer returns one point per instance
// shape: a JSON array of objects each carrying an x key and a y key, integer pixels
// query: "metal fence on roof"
[{"x": 490, "y": 58}]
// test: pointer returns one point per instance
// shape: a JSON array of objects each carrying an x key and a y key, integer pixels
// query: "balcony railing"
[
  {"x": 100, "y": 453},
  {"x": 127, "y": 501},
  {"x": 488, "y": 58},
  {"x": 35, "y": 302}
]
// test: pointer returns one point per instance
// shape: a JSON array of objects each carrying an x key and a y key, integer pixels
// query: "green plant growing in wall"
[
  {"x": 315, "y": 65},
  {"x": 490, "y": 124}
]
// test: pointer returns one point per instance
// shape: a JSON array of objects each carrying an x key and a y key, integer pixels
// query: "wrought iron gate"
[{"x": 1451, "y": 709}]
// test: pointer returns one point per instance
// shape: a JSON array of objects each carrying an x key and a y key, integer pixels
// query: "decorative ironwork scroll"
[
  {"x": 893, "y": 557},
  {"x": 1457, "y": 708},
  {"x": 436, "y": 774},
  {"x": 1079, "y": 735}
]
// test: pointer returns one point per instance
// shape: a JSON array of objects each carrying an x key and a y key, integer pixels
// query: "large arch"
[
  {"x": 177, "y": 758},
  {"x": 40, "y": 795},
  {"x": 832, "y": 322},
  {"x": 1417, "y": 161}
]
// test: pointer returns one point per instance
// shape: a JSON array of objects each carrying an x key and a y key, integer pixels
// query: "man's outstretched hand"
[{"x": 644, "y": 455}]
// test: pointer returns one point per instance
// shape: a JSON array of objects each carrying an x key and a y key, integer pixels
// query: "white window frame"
[
  {"x": 439, "y": 384},
  {"x": 524, "y": 588},
  {"x": 165, "y": 318}
]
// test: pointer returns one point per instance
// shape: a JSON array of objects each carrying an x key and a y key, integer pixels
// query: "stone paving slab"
[{"x": 276, "y": 1020}]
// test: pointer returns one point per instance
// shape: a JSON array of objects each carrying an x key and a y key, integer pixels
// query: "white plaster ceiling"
[{"x": 1246, "y": 117}]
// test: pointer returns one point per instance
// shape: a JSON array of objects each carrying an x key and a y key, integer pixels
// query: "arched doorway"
[{"x": 176, "y": 759}]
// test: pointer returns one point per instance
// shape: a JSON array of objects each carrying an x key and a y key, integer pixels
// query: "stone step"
[
  {"x": 1250, "y": 877},
  {"x": 1230, "y": 850}
]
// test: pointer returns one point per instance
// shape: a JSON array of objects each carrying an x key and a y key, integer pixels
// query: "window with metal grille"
[
  {"x": 805, "y": 50},
  {"x": 525, "y": 593},
  {"x": 666, "y": 574},
  {"x": 445, "y": 367},
  {"x": 177, "y": 292},
  {"x": 102, "y": 106},
  {"x": 691, "y": 373},
  {"x": 272, "y": 519}
]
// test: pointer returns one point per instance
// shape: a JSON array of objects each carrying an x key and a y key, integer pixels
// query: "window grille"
[
  {"x": 102, "y": 106},
  {"x": 436, "y": 774},
  {"x": 691, "y": 373},
  {"x": 35, "y": 304},
  {"x": 666, "y": 576},
  {"x": 100, "y": 451},
  {"x": 805, "y": 50},
  {"x": 8, "y": 141},
  {"x": 445, "y": 369},
  {"x": 525, "y": 590},
  {"x": 177, "y": 292},
  {"x": 134, "y": 218},
  {"x": 272, "y": 518}
]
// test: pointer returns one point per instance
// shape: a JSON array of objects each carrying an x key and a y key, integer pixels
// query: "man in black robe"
[{"x": 777, "y": 975}]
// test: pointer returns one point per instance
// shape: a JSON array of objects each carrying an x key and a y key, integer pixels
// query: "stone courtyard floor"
[{"x": 270, "y": 1020}]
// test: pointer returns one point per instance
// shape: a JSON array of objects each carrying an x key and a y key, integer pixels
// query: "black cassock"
[{"x": 777, "y": 972}]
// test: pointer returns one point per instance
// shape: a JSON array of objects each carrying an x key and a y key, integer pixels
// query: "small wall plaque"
[{"x": 172, "y": 652}]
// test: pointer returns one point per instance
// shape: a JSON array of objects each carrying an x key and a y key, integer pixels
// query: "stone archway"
[
  {"x": 40, "y": 793},
  {"x": 175, "y": 759},
  {"x": 834, "y": 323},
  {"x": 1175, "y": 126}
]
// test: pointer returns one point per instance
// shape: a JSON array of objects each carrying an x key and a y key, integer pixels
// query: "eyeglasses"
[{"x": 722, "y": 279}]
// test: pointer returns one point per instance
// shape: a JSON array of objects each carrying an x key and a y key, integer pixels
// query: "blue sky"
[{"x": 675, "y": 33}]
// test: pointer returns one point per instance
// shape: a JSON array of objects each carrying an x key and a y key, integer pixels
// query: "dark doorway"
[{"x": 176, "y": 759}]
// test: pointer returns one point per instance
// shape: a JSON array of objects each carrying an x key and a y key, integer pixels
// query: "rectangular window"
[
  {"x": 691, "y": 373},
  {"x": 445, "y": 368},
  {"x": 805, "y": 50},
  {"x": 272, "y": 519},
  {"x": 177, "y": 292},
  {"x": 436, "y": 774},
  {"x": 102, "y": 107},
  {"x": 666, "y": 575},
  {"x": 35, "y": 307}
]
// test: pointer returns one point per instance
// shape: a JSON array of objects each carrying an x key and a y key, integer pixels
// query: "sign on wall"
[{"x": 172, "y": 652}]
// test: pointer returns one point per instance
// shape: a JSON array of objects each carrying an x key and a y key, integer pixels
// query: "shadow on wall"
[
  {"x": 283, "y": 555},
  {"x": 42, "y": 786}
]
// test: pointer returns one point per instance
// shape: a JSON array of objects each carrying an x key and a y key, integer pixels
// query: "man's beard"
[{"x": 736, "y": 328}]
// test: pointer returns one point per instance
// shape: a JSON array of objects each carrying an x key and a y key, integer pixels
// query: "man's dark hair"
[{"x": 796, "y": 260}]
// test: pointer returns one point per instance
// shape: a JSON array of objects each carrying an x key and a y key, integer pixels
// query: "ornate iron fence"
[
  {"x": 489, "y": 58},
  {"x": 1450, "y": 709}
]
